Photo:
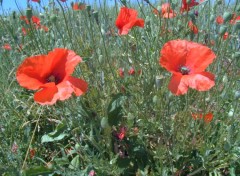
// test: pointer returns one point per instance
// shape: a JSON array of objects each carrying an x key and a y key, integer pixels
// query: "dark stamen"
[{"x": 184, "y": 70}]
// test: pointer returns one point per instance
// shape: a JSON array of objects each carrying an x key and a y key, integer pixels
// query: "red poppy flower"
[
  {"x": 35, "y": 20},
  {"x": 78, "y": 6},
  {"x": 7, "y": 47},
  {"x": 127, "y": 19},
  {"x": 186, "y": 6},
  {"x": 51, "y": 76},
  {"x": 122, "y": 133},
  {"x": 193, "y": 27},
  {"x": 131, "y": 71},
  {"x": 167, "y": 11},
  {"x": 219, "y": 20},
  {"x": 35, "y": 1},
  {"x": 121, "y": 72},
  {"x": 187, "y": 64},
  {"x": 234, "y": 19},
  {"x": 225, "y": 36},
  {"x": 207, "y": 117}
]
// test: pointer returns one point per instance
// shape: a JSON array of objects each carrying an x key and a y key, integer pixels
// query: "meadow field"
[{"x": 120, "y": 89}]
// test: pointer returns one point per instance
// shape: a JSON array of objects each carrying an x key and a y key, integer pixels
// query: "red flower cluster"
[
  {"x": 127, "y": 19},
  {"x": 131, "y": 71},
  {"x": 51, "y": 76},
  {"x": 35, "y": 21},
  {"x": 187, "y": 65},
  {"x": 193, "y": 27},
  {"x": 186, "y": 6},
  {"x": 207, "y": 117},
  {"x": 166, "y": 11},
  {"x": 78, "y": 6}
]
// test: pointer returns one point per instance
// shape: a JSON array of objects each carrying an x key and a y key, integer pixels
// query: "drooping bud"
[{"x": 95, "y": 15}]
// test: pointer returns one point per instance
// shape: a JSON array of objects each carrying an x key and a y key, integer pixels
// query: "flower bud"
[
  {"x": 95, "y": 15},
  {"x": 29, "y": 13},
  {"x": 222, "y": 30},
  {"x": 227, "y": 16},
  {"x": 14, "y": 15},
  {"x": 53, "y": 18}
]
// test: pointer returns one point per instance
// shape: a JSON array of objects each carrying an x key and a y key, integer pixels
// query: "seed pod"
[
  {"x": 29, "y": 13},
  {"x": 227, "y": 16},
  {"x": 222, "y": 30}
]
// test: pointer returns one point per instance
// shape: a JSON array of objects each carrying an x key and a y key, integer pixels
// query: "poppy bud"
[
  {"x": 124, "y": 2},
  {"x": 222, "y": 30},
  {"x": 212, "y": 18},
  {"x": 14, "y": 15},
  {"x": 236, "y": 55},
  {"x": 238, "y": 8},
  {"x": 29, "y": 13},
  {"x": 95, "y": 15},
  {"x": 158, "y": 81},
  {"x": 104, "y": 122},
  {"x": 53, "y": 18},
  {"x": 237, "y": 94},
  {"x": 236, "y": 27},
  {"x": 89, "y": 8},
  {"x": 219, "y": 2},
  {"x": 227, "y": 16},
  {"x": 155, "y": 99}
]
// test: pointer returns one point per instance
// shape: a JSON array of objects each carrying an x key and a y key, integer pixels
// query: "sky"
[{"x": 11, "y": 4}]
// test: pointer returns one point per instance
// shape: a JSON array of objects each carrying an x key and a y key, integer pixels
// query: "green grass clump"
[{"x": 123, "y": 125}]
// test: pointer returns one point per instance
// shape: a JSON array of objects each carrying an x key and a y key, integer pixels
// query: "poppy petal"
[
  {"x": 63, "y": 61},
  {"x": 199, "y": 58},
  {"x": 46, "y": 96},
  {"x": 32, "y": 72},
  {"x": 65, "y": 90},
  {"x": 127, "y": 19},
  {"x": 201, "y": 81},
  {"x": 79, "y": 86},
  {"x": 177, "y": 86},
  {"x": 173, "y": 54}
]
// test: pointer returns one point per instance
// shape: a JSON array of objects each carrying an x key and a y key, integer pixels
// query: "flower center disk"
[{"x": 184, "y": 70}]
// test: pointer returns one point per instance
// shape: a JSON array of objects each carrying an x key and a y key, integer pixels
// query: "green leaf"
[
  {"x": 59, "y": 129},
  {"x": 75, "y": 163},
  {"x": 38, "y": 170},
  {"x": 115, "y": 109},
  {"x": 47, "y": 138}
]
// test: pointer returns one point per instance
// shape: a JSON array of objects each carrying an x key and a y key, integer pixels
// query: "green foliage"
[{"x": 123, "y": 125}]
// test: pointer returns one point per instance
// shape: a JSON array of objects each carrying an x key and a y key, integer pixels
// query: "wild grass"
[{"x": 79, "y": 135}]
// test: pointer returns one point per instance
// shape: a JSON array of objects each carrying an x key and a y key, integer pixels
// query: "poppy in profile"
[
  {"x": 219, "y": 20},
  {"x": 193, "y": 27},
  {"x": 167, "y": 11},
  {"x": 187, "y": 4},
  {"x": 51, "y": 75},
  {"x": 225, "y": 36},
  {"x": 121, "y": 72},
  {"x": 127, "y": 19},
  {"x": 187, "y": 64},
  {"x": 7, "y": 47}
]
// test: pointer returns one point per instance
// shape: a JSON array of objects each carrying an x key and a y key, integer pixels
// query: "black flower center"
[{"x": 184, "y": 70}]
